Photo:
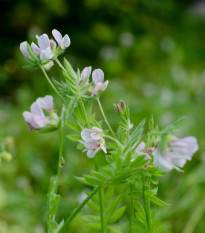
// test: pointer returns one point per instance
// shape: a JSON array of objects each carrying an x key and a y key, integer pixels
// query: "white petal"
[
  {"x": 98, "y": 76},
  {"x": 103, "y": 148},
  {"x": 91, "y": 154},
  {"x": 65, "y": 42},
  {"x": 35, "y": 49},
  {"x": 43, "y": 41},
  {"x": 48, "y": 65},
  {"x": 57, "y": 35},
  {"x": 91, "y": 144},
  {"x": 161, "y": 162},
  {"x": 24, "y": 50},
  {"x": 46, "y": 54},
  {"x": 45, "y": 102},
  {"x": 105, "y": 85},
  {"x": 38, "y": 122}
]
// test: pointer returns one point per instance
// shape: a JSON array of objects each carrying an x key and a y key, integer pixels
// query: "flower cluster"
[
  {"x": 93, "y": 141},
  {"x": 176, "y": 155},
  {"x": 36, "y": 119},
  {"x": 46, "y": 48},
  {"x": 97, "y": 77}
]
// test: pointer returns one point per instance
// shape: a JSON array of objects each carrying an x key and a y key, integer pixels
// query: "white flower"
[
  {"x": 85, "y": 73},
  {"x": 177, "y": 154},
  {"x": 24, "y": 50},
  {"x": 98, "y": 79},
  {"x": 93, "y": 141},
  {"x": 36, "y": 119},
  {"x": 63, "y": 42}
]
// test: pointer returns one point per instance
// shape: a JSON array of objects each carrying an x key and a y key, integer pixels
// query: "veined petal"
[
  {"x": 24, "y": 50},
  {"x": 43, "y": 41},
  {"x": 57, "y": 35},
  {"x": 35, "y": 49},
  {"x": 65, "y": 43},
  {"x": 46, "y": 54},
  {"x": 98, "y": 76}
]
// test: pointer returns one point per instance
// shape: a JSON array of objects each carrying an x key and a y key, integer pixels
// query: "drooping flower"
[
  {"x": 36, "y": 118},
  {"x": 176, "y": 155},
  {"x": 85, "y": 73},
  {"x": 98, "y": 79},
  {"x": 63, "y": 42},
  {"x": 93, "y": 141}
]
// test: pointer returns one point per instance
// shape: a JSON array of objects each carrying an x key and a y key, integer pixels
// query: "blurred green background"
[{"x": 153, "y": 54}]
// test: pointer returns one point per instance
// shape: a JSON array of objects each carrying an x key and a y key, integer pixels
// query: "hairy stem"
[
  {"x": 131, "y": 210},
  {"x": 105, "y": 119},
  {"x": 48, "y": 79},
  {"x": 77, "y": 210},
  {"x": 147, "y": 204}
]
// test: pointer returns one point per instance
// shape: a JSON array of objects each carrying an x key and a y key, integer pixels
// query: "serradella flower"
[
  {"x": 98, "y": 79},
  {"x": 24, "y": 49},
  {"x": 63, "y": 42},
  {"x": 36, "y": 119},
  {"x": 140, "y": 149},
  {"x": 93, "y": 141},
  {"x": 176, "y": 155}
]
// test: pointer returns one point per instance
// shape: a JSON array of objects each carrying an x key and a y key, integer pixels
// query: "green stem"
[
  {"x": 84, "y": 111},
  {"x": 113, "y": 139},
  {"x": 58, "y": 62},
  {"x": 105, "y": 119},
  {"x": 60, "y": 156},
  {"x": 147, "y": 205},
  {"x": 77, "y": 210},
  {"x": 48, "y": 79},
  {"x": 131, "y": 210}
]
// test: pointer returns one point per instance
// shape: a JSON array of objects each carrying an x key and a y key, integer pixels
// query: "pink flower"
[
  {"x": 176, "y": 155},
  {"x": 98, "y": 79}
]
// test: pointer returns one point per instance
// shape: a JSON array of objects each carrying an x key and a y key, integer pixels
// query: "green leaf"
[
  {"x": 32, "y": 54},
  {"x": 171, "y": 128},
  {"x": 113, "y": 230},
  {"x": 93, "y": 206},
  {"x": 137, "y": 132},
  {"x": 139, "y": 161},
  {"x": 93, "y": 180},
  {"x": 69, "y": 68},
  {"x": 154, "y": 199},
  {"x": 140, "y": 214},
  {"x": 91, "y": 218},
  {"x": 108, "y": 194},
  {"x": 73, "y": 126},
  {"x": 74, "y": 138},
  {"x": 117, "y": 214},
  {"x": 31, "y": 67},
  {"x": 113, "y": 205}
]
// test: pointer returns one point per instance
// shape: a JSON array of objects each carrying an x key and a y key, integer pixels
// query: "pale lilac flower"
[
  {"x": 24, "y": 50},
  {"x": 85, "y": 73},
  {"x": 93, "y": 141},
  {"x": 179, "y": 151},
  {"x": 98, "y": 79},
  {"x": 36, "y": 118},
  {"x": 35, "y": 49},
  {"x": 63, "y": 42}
]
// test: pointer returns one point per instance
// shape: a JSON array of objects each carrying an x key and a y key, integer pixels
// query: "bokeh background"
[{"x": 153, "y": 54}]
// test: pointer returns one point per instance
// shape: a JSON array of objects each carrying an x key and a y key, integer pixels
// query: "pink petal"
[
  {"x": 36, "y": 109},
  {"x": 45, "y": 102}
]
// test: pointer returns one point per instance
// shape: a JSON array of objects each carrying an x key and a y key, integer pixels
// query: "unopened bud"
[
  {"x": 119, "y": 108},
  {"x": 122, "y": 103}
]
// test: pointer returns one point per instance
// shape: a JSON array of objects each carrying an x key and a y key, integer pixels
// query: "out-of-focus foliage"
[{"x": 152, "y": 52}]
